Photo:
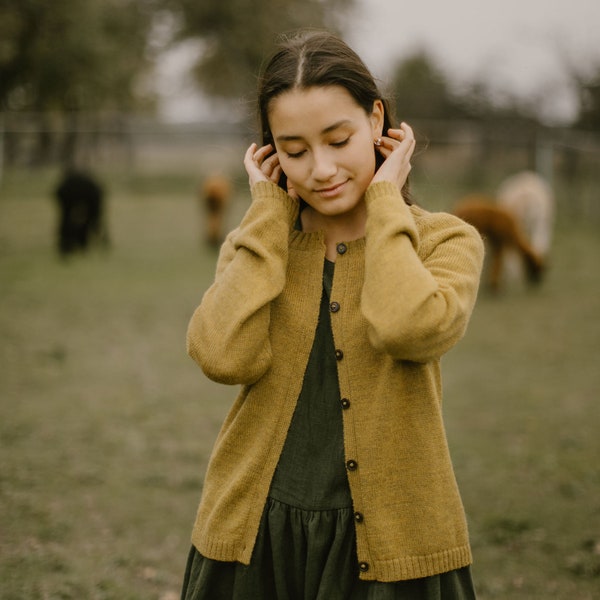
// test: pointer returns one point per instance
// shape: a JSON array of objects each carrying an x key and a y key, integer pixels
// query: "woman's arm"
[
  {"x": 228, "y": 335},
  {"x": 421, "y": 276}
]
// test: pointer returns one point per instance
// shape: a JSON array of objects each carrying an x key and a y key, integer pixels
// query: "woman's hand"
[
  {"x": 397, "y": 149},
  {"x": 262, "y": 164}
]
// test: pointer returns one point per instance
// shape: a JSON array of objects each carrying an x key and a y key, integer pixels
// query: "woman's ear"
[{"x": 377, "y": 116}]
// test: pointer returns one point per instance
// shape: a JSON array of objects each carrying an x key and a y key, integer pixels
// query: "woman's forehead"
[{"x": 316, "y": 109}]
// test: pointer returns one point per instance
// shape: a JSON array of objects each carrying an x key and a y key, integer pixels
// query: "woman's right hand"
[{"x": 262, "y": 164}]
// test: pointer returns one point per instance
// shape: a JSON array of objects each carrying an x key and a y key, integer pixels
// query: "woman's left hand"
[{"x": 397, "y": 149}]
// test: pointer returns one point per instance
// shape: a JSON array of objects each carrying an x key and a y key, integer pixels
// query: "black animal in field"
[{"x": 80, "y": 200}]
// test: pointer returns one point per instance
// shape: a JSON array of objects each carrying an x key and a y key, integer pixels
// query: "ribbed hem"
[
  {"x": 397, "y": 569},
  {"x": 415, "y": 567},
  {"x": 221, "y": 550}
]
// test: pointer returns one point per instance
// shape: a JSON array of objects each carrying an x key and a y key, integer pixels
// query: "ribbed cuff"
[{"x": 271, "y": 192}]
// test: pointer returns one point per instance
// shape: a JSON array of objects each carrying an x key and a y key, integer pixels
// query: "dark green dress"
[{"x": 306, "y": 547}]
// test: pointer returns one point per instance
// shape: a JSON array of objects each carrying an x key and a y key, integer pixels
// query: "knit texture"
[{"x": 406, "y": 292}]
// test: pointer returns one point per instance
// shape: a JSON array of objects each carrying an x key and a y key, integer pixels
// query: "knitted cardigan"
[{"x": 404, "y": 295}]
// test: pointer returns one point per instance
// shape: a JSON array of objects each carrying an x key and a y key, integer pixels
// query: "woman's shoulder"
[
  {"x": 437, "y": 226},
  {"x": 426, "y": 219}
]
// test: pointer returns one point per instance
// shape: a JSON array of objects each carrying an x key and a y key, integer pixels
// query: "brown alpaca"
[
  {"x": 500, "y": 229},
  {"x": 214, "y": 196}
]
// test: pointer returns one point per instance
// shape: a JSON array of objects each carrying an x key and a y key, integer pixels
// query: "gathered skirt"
[{"x": 309, "y": 555}]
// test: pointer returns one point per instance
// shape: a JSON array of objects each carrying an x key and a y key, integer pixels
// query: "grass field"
[{"x": 106, "y": 424}]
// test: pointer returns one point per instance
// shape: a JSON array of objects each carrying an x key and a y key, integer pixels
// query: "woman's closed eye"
[
  {"x": 338, "y": 144},
  {"x": 295, "y": 154},
  {"x": 341, "y": 143}
]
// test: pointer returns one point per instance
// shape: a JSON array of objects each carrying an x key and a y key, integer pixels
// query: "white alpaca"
[{"x": 531, "y": 200}]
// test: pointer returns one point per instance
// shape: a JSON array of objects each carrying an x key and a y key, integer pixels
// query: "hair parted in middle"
[{"x": 311, "y": 58}]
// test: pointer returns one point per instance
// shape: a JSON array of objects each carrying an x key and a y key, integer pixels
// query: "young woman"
[{"x": 332, "y": 304}]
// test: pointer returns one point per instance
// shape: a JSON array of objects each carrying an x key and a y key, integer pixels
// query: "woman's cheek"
[{"x": 289, "y": 170}]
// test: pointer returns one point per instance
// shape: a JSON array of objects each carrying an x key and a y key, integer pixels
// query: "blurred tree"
[
  {"x": 72, "y": 55},
  {"x": 589, "y": 102},
  {"x": 422, "y": 91},
  {"x": 68, "y": 56},
  {"x": 237, "y": 35}
]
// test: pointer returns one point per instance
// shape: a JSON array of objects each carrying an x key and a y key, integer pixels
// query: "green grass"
[
  {"x": 522, "y": 410},
  {"x": 106, "y": 424}
]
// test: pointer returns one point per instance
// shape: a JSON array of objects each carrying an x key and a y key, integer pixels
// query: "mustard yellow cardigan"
[{"x": 405, "y": 293}]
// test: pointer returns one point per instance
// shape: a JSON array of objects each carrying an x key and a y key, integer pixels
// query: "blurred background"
[
  {"x": 119, "y": 84},
  {"x": 122, "y": 129}
]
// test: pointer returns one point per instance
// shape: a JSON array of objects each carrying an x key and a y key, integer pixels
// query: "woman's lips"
[{"x": 331, "y": 191}]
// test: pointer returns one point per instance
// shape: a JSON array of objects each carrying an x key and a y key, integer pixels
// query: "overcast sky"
[{"x": 517, "y": 45}]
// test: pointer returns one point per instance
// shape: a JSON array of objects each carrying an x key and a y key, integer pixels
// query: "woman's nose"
[{"x": 324, "y": 167}]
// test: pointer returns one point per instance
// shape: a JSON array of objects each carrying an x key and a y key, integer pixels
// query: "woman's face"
[{"x": 324, "y": 141}]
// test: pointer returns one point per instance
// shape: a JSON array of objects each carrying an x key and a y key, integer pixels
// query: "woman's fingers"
[
  {"x": 396, "y": 138},
  {"x": 398, "y": 141},
  {"x": 262, "y": 153},
  {"x": 397, "y": 149},
  {"x": 262, "y": 164}
]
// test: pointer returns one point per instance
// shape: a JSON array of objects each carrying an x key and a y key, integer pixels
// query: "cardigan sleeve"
[
  {"x": 228, "y": 334},
  {"x": 422, "y": 274}
]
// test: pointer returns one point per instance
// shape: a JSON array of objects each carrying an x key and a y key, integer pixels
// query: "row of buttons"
[{"x": 351, "y": 465}]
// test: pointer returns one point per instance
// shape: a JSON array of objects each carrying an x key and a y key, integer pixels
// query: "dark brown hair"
[{"x": 317, "y": 59}]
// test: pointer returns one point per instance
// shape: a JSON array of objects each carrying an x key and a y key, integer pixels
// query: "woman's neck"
[{"x": 338, "y": 228}]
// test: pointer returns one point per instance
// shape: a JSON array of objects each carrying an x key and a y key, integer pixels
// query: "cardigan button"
[
  {"x": 334, "y": 307},
  {"x": 351, "y": 465},
  {"x": 358, "y": 517},
  {"x": 363, "y": 566},
  {"x": 341, "y": 248},
  {"x": 345, "y": 403},
  {"x": 339, "y": 355}
]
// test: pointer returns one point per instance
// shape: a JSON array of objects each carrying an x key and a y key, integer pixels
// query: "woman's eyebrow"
[
  {"x": 329, "y": 129},
  {"x": 336, "y": 125}
]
